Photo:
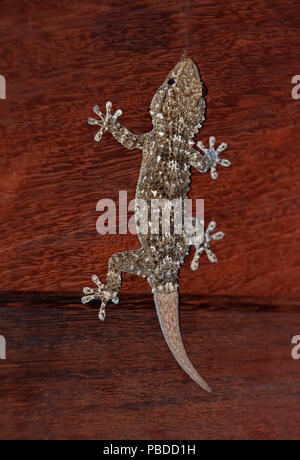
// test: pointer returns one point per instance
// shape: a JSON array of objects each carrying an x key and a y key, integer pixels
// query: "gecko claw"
[
  {"x": 93, "y": 293},
  {"x": 104, "y": 121},
  {"x": 212, "y": 155},
  {"x": 100, "y": 292},
  {"x": 205, "y": 246}
]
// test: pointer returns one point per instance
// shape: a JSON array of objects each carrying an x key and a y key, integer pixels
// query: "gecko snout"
[
  {"x": 198, "y": 88},
  {"x": 190, "y": 79}
]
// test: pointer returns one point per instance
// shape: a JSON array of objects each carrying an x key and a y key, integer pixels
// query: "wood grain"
[{"x": 68, "y": 376}]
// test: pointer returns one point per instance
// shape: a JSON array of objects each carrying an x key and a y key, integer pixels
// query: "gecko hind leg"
[{"x": 134, "y": 261}]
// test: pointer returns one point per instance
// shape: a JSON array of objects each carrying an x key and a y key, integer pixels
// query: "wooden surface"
[{"x": 68, "y": 376}]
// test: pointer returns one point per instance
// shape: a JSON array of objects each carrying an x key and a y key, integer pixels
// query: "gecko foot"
[
  {"x": 104, "y": 120},
  {"x": 212, "y": 155},
  {"x": 102, "y": 293},
  {"x": 205, "y": 245}
]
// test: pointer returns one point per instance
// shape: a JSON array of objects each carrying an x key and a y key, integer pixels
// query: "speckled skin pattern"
[{"x": 177, "y": 110}]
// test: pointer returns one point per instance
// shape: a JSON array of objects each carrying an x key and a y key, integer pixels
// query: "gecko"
[{"x": 168, "y": 152}]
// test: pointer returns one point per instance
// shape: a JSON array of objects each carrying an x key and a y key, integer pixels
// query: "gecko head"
[{"x": 180, "y": 98}]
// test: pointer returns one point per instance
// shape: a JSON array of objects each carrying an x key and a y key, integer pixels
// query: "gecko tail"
[{"x": 167, "y": 307}]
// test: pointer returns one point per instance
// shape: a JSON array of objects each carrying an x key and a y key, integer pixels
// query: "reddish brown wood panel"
[{"x": 68, "y": 376}]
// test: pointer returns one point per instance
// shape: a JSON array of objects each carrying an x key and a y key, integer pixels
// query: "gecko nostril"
[{"x": 204, "y": 90}]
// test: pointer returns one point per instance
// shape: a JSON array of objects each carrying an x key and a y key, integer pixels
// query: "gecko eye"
[{"x": 171, "y": 82}]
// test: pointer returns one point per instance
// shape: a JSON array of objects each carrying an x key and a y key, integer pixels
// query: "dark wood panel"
[{"x": 69, "y": 376}]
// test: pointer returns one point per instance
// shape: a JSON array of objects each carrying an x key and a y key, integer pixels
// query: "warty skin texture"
[{"x": 177, "y": 110}]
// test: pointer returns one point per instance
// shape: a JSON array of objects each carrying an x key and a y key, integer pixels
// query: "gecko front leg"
[
  {"x": 211, "y": 155},
  {"x": 210, "y": 159},
  {"x": 109, "y": 122},
  {"x": 105, "y": 122}
]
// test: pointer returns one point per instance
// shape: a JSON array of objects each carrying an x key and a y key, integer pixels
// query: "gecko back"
[{"x": 177, "y": 110}]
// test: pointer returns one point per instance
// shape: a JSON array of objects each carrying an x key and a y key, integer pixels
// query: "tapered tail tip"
[
  {"x": 206, "y": 387},
  {"x": 167, "y": 311}
]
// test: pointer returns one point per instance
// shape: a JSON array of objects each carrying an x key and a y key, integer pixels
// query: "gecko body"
[{"x": 177, "y": 110}]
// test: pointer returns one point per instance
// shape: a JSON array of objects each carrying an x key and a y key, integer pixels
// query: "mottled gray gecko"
[{"x": 177, "y": 110}]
